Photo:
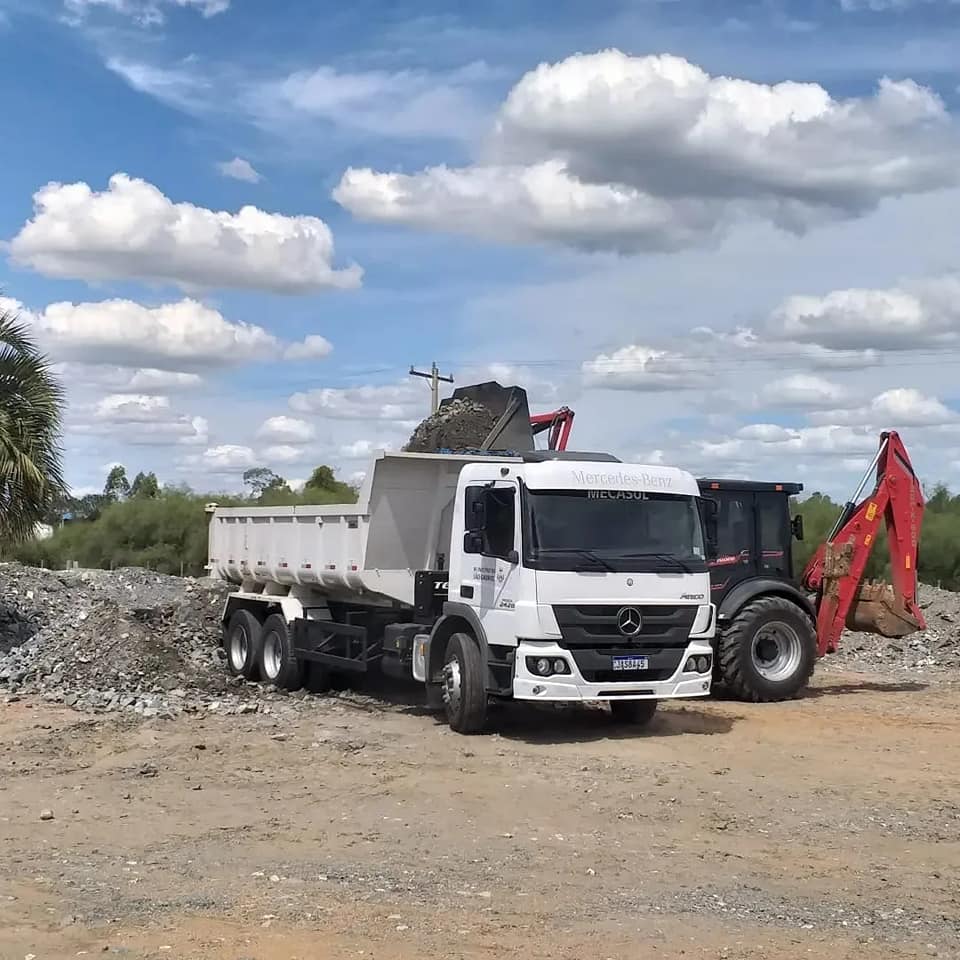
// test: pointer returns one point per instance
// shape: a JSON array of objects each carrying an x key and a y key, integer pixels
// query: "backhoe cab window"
[{"x": 497, "y": 506}]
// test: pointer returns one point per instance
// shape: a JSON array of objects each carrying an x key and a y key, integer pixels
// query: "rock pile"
[
  {"x": 458, "y": 425},
  {"x": 127, "y": 640},
  {"x": 934, "y": 651}
]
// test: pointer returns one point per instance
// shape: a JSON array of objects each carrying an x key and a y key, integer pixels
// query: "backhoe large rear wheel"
[{"x": 767, "y": 652}]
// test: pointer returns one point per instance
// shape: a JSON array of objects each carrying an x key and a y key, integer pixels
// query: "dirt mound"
[
  {"x": 127, "y": 639},
  {"x": 458, "y": 425}
]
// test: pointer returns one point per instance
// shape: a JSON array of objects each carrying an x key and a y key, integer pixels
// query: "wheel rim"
[
  {"x": 452, "y": 686},
  {"x": 272, "y": 655},
  {"x": 239, "y": 645},
  {"x": 776, "y": 651}
]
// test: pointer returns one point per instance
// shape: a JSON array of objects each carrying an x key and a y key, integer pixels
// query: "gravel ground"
[{"x": 824, "y": 828}]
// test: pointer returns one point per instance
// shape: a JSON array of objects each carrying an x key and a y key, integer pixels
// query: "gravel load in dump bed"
[
  {"x": 934, "y": 651},
  {"x": 459, "y": 425}
]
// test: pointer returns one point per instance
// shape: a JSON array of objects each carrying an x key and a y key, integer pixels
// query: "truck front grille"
[{"x": 594, "y": 626}]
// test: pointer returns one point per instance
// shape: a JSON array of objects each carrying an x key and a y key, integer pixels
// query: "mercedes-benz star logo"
[{"x": 629, "y": 621}]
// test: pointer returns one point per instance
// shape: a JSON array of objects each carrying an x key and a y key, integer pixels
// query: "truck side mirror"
[
  {"x": 473, "y": 542},
  {"x": 796, "y": 527},
  {"x": 476, "y": 513},
  {"x": 711, "y": 526}
]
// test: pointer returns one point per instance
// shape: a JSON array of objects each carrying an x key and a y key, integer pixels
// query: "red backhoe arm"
[
  {"x": 835, "y": 571},
  {"x": 559, "y": 423}
]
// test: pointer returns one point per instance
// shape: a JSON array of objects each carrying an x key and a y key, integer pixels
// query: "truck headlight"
[
  {"x": 547, "y": 666},
  {"x": 701, "y": 664}
]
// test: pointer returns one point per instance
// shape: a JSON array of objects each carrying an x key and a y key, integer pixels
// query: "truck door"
[{"x": 490, "y": 568}]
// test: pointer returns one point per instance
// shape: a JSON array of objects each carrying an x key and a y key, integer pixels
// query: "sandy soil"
[{"x": 824, "y": 828}]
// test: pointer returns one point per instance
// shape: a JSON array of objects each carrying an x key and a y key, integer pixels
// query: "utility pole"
[{"x": 435, "y": 380}]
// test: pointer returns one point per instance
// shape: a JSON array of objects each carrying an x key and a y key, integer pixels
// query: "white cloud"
[
  {"x": 608, "y": 151},
  {"x": 312, "y": 347},
  {"x": 132, "y": 231},
  {"x": 150, "y": 379},
  {"x": 643, "y": 368},
  {"x": 407, "y": 103},
  {"x": 168, "y": 337},
  {"x": 893, "y": 319},
  {"x": 899, "y": 407},
  {"x": 287, "y": 430},
  {"x": 180, "y": 87},
  {"x": 802, "y": 391},
  {"x": 765, "y": 433},
  {"x": 148, "y": 13},
  {"x": 283, "y": 453},
  {"x": 125, "y": 419},
  {"x": 364, "y": 449},
  {"x": 239, "y": 169},
  {"x": 880, "y": 6},
  {"x": 537, "y": 203},
  {"x": 227, "y": 457},
  {"x": 132, "y": 408},
  {"x": 394, "y": 402}
]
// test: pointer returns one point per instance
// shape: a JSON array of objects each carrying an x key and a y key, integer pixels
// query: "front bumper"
[{"x": 573, "y": 687}]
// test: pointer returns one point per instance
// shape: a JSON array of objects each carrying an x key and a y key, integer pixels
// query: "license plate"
[{"x": 631, "y": 663}]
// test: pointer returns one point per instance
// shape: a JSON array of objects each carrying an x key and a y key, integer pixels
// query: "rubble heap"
[
  {"x": 935, "y": 650},
  {"x": 127, "y": 640},
  {"x": 457, "y": 425}
]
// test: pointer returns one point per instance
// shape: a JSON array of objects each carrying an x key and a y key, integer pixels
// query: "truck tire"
[
  {"x": 464, "y": 684},
  {"x": 635, "y": 712},
  {"x": 242, "y": 641},
  {"x": 767, "y": 652},
  {"x": 278, "y": 658}
]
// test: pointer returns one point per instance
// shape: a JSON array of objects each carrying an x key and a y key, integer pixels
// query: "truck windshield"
[{"x": 613, "y": 530}]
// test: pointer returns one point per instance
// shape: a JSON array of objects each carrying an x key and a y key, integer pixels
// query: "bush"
[{"x": 164, "y": 531}]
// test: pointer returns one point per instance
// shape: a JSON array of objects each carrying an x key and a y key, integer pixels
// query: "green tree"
[
  {"x": 262, "y": 479},
  {"x": 117, "y": 486},
  {"x": 145, "y": 486},
  {"x": 31, "y": 410}
]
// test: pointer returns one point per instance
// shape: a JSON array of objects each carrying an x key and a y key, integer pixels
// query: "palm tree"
[{"x": 31, "y": 407}]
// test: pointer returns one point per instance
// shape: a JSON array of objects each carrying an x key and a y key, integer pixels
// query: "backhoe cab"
[{"x": 771, "y": 629}]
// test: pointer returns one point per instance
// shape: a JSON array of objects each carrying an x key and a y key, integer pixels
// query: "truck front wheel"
[
  {"x": 242, "y": 641},
  {"x": 278, "y": 659},
  {"x": 768, "y": 651},
  {"x": 464, "y": 684}
]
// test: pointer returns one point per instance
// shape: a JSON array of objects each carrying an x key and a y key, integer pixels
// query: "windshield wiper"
[
  {"x": 669, "y": 557},
  {"x": 583, "y": 551}
]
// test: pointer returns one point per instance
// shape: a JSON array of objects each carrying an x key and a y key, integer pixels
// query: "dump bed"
[{"x": 369, "y": 550}]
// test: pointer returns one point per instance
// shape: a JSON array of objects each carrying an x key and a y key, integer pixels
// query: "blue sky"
[{"x": 502, "y": 196}]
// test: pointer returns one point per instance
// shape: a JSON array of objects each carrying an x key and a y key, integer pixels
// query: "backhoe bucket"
[
  {"x": 510, "y": 406},
  {"x": 877, "y": 609}
]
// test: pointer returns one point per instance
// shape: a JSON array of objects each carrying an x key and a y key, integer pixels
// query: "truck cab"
[{"x": 582, "y": 581}]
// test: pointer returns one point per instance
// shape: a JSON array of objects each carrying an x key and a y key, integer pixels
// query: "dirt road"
[{"x": 828, "y": 827}]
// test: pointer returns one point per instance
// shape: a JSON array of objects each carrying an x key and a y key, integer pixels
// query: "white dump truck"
[{"x": 544, "y": 576}]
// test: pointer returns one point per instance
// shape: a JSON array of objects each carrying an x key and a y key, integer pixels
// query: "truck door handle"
[{"x": 466, "y": 592}]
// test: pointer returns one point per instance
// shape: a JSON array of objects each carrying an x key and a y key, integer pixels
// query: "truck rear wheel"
[
  {"x": 243, "y": 640},
  {"x": 464, "y": 684},
  {"x": 768, "y": 651},
  {"x": 278, "y": 658}
]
